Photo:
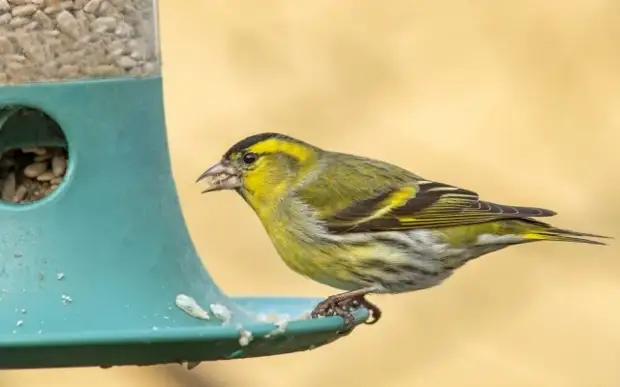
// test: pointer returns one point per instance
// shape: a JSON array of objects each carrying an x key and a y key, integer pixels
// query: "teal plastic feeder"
[{"x": 90, "y": 274}]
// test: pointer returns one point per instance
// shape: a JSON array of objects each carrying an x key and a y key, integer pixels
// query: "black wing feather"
[{"x": 433, "y": 205}]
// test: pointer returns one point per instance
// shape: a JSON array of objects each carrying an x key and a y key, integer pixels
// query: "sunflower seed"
[
  {"x": 88, "y": 38},
  {"x": 23, "y": 181},
  {"x": 35, "y": 169}
]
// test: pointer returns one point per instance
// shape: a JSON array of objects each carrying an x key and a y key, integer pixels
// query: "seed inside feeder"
[
  {"x": 53, "y": 40},
  {"x": 30, "y": 174}
]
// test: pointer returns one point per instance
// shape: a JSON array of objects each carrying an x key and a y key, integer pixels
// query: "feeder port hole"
[{"x": 34, "y": 155}]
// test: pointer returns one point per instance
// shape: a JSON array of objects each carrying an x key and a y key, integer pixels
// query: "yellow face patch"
[
  {"x": 280, "y": 163},
  {"x": 276, "y": 145}
]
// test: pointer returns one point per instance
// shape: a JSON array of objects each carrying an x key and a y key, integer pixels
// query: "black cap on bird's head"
[
  {"x": 228, "y": 172},
  {"x": 247, "y": 142}
]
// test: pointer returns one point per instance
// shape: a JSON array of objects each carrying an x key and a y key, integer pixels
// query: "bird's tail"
[{"x": 545, "y": 232}]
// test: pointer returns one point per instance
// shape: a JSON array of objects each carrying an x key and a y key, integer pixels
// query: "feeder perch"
[{"x": 90, "y": 273}]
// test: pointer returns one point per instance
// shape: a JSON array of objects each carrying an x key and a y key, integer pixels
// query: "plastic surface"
[
  {"x": 20, "y": 129},
  {"x": 89, "y": 275}
]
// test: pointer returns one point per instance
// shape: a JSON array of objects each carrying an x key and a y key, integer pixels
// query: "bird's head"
[{"x": 262, "y": 167}]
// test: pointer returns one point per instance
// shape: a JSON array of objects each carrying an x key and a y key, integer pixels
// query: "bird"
[{"x": 366, "y": 226}]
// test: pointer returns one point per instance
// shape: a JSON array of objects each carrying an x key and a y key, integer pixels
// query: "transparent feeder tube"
[{"x": 49, "y": 41}]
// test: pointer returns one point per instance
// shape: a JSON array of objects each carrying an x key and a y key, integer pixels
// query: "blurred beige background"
[{"x": 518, "y": 100}]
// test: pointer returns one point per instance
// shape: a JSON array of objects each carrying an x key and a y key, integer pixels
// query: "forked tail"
[{"x": 546, "y": 232}]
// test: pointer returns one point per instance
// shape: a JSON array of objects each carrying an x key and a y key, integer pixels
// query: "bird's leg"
[{"x": 341, "y": 305}]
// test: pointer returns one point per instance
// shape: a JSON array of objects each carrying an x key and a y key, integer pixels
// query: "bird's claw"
[
  {"x": 343, "y": 306},
  {"x": 375, "y": 312}
]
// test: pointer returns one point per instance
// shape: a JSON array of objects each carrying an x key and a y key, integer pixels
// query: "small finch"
[{"x": 366, "y": 226}]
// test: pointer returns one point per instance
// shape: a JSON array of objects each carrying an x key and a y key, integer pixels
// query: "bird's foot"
[
  {"x": 336, "y": 306},
  {"x": 343, "y": 305}
]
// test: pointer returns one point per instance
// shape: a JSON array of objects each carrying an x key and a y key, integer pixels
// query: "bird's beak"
[{"x": 220, "y": 177}]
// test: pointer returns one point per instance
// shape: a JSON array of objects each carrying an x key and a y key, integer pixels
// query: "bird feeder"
[{"x": 96, "y": 264}]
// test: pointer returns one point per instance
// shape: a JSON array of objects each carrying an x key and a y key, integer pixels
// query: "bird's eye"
[{"x": 250, "y": 157}]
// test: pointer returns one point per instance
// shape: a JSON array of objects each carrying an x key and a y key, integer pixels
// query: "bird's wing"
[{"x": 422, "y": 204}]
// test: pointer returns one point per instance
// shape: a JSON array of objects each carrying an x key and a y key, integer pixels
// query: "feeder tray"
[{"x": 89, "y": 274}]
